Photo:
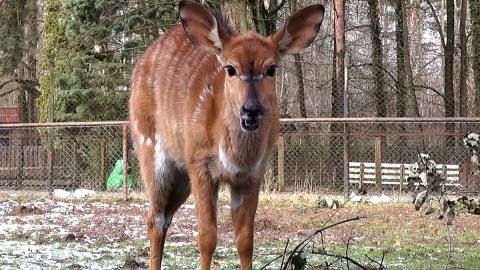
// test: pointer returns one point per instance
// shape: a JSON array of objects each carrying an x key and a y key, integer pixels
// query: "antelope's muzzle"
[{"x": 250, "y": 115}]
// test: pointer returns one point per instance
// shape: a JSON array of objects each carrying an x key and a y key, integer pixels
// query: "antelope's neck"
[{"x": 241, "y": 152}]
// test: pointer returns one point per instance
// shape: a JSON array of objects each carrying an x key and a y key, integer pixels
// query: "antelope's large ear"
[
  {"x": 202, "y": 27},
  {"x": 300, "y": 30}
]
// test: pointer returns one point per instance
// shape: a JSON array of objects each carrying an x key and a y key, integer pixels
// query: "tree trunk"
[
  {"x": 377, "y": 59},
  {"x": 463, "y": 62},
  {"x": 400, "y": 90},
  {"x": 408, "y": 66},
  {"x": 264, "y": 20},
  {"x": 336, "y": 142},
  {"x": 475, "y": 20},
  {"x": 237, "y": 11},
  {"x": 449, "y": 53},
  {"x": 339, "y": 60},
  {"x": 300, "y": 85},
  {"x": 401, "y": 101},
  {"x": 31, "y": 33}
]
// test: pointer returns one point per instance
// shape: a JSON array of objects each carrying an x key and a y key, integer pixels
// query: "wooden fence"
[{"x": 30, "y": 166}]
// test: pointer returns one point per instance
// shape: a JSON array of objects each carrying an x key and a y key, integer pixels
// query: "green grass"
[
  {"x": 413, "y": 251},
  {"x": 416, "y": 244}
]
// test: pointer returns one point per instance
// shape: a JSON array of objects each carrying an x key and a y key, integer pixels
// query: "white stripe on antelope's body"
[{"x": 203, "y": 112}]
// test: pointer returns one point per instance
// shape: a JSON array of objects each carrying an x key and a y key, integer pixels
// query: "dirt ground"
[
  {"x": 278, "y": 219},
  {"x": 49, "y": 233}
]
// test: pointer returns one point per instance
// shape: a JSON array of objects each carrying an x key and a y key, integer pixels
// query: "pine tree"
[
  {"x": 18, "y": 51},
  {"x": 94, "y": 51}
]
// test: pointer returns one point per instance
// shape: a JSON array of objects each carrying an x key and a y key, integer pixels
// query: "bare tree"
[
  {"x": 463, "y": 60},
  {"x": 475, "y": 20},
  {"x": 448, "y": 76},
  {"x": 338, "y": 89},
  {"x": 400, "y": 89},
  {"x": 377, "y": 58},
  {"x": 299, "y": 76},
  {"x": 410, "y": 87}
]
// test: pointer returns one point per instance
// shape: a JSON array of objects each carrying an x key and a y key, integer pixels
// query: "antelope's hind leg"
[{"x": 167, "y": 191}]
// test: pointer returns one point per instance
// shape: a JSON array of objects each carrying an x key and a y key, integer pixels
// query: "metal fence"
[{"x": 312, "y": 155}]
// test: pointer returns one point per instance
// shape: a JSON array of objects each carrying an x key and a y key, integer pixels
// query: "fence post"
[
  {"x": 125, "y": 161},
  {"x": 378, "y": 163},
  {"x": 281, "y": 163}
]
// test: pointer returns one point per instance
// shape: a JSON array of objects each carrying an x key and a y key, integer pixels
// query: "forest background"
[{"x": 63, "y": 60}]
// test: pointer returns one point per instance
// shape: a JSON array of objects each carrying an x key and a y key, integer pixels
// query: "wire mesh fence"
[{"x": 312, "y": 155}]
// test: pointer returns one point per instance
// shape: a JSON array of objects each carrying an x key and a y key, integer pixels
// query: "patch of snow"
[
  {"x": 355, "y": 198},
  {"x": 61, "y": 193},
  {"x": 380, "y": 199},
  {"x": 82, "y": 193}
]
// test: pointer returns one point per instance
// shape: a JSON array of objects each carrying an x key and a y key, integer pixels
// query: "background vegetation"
[{"x": 401, "y": 58}]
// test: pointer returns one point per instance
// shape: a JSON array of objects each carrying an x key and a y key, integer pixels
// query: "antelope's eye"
[
  {"x": 271, "y": 70},
  {"x": 231, "y": 70}
]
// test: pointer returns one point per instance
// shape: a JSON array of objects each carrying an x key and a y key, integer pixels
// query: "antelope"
[{"x": 203, "y": 113}]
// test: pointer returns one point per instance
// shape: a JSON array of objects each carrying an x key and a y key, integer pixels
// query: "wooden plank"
[{"x": 394, "y": 172}]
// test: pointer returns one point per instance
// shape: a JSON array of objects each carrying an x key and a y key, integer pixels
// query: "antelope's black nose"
[{"x": 251, "y": 113}]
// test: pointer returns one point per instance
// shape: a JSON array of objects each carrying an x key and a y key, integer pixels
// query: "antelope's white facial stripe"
[{"x": 244, "y": 77}]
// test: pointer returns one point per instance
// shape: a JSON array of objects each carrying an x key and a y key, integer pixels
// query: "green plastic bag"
[{"x": 115, "y": 180}]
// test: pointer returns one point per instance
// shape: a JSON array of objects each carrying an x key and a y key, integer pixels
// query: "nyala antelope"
[{"x": 203, "y": 112}]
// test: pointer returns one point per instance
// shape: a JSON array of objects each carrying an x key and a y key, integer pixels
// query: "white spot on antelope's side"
[
  {"x": 141, "y": 140},
  {"x": 196, "y": 113},
  {"x": 228, "y": 164},
  {"x": 207, "y": 90},
  {"x": 160, "y": 158}
]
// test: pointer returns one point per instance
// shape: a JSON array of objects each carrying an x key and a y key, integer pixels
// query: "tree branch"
[
  {"x": 309, "y": 238},
  {"x": 29, "y": 84},
  {"x": 280, "y": 6},
  {"x": 439, "y": 27}
]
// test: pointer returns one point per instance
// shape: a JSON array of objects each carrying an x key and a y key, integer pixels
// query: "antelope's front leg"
[
  {"x": 205, "y": 192},
  {"x": 244, "y": 201}
]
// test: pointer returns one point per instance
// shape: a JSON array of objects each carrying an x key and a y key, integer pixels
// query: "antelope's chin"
[{"x": 249, "y": 123}]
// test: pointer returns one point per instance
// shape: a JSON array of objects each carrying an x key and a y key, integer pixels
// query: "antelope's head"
[{"x": 250, "y": 60}]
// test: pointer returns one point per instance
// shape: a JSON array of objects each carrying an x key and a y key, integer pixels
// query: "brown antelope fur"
[{"x": 203, "y": 112}]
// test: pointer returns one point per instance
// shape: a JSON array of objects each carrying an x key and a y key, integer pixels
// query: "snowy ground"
[
  {"x": 54, "y": 234},
  {"x": 91, "y": 234},
  {"x": 108, "y": 233}
]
